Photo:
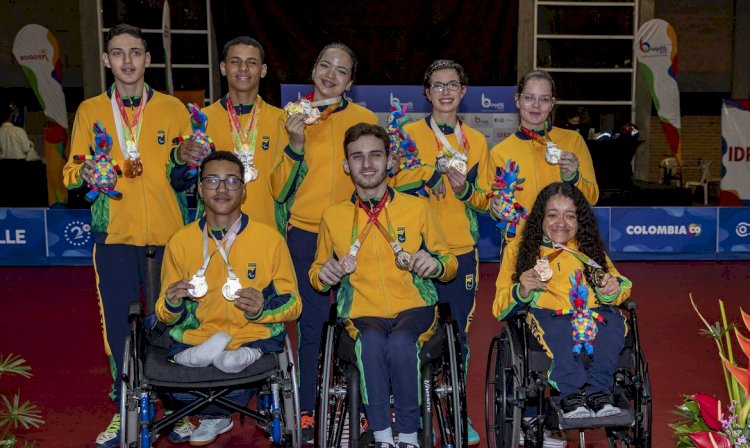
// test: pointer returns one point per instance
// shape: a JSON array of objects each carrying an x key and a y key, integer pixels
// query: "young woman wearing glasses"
[{"x": 542, "y": 154}]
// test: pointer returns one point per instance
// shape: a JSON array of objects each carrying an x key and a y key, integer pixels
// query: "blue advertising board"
[
  {"x": 659, "y": 233},
  {"x": 69, "y": 237},
  {"x": 734, "y": 233},
  {"x": 23, "y": 237}
]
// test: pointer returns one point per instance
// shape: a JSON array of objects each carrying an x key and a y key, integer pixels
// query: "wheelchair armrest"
[
  {"x": 135, "y": 310},
  {"x": 629, "y": 305},
  {"x": 444, "y": 312}
]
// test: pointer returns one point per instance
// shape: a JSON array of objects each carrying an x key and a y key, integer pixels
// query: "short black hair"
[
  {"x": 124, "y": 28},
  {"x": 223, "y": 155},
  {"x": 244, "y": 40},
  {"x": 359, "y": 130}
]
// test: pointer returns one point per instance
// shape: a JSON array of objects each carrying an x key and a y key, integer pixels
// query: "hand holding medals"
[{"x": 303, "y": 106}]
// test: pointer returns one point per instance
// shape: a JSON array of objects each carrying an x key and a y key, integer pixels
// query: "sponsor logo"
[
  {"x": 690, "y": 230},
  {"x": 487, "y": 103},
  {"x": 478, "y": 120},
  {"x": 401, "y": 232},
  {"x": 41, "y": 56},
  {"x": 743, "y": 229},
  {"x": 409, "y": 105},
  {"x": 161, "y": 137},
  {"x": 13, "y": 236},
  {"x": 266, "y": 143},
  {"x": 649, "y": 49},
  {"x": 251, "y": 268},
  {"x": 469, "y": 280},
  {"x": 77, "y": 233}
]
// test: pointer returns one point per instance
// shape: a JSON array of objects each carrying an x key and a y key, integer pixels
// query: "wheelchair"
[
  {"x": 442, "y": 387},
  {"x": 148, "y": 377},
  {"x": 516, "y": 378}
]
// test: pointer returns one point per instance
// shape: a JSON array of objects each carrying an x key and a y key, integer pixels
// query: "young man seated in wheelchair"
[
  {"x": 385, "y": 293},
  {"x": 559, "y": 269},
  {"x": 228, "y": 287}
]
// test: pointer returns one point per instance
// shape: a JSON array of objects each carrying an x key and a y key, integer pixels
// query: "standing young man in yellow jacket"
[
  {"x": 130, "y": 232},
  {"x": 383, "y": 249}
]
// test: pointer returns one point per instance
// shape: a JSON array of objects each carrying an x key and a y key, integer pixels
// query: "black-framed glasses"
[
  {"x": 441, "y": 86},
  {"x": 231, "y": 183}
]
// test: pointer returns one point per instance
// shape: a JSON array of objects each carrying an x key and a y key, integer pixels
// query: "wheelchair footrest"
[{"x": 623, "y": 419}]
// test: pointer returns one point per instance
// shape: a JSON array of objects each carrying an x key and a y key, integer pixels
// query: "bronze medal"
[
  {"x": 597, "y": 276},
  {"x": 348, "y": 263},
  {"x": 402, "y": 259},
  {"x": 543, "y": 268}
]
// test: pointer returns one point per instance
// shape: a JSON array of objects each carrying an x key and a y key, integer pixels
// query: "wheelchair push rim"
[{"x": 502, "y": 413}]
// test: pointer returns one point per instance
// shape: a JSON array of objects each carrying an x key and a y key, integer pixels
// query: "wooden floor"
[{"x": 51, "y": 319}]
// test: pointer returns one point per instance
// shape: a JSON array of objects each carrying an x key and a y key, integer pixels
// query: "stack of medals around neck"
[
  {"x": 450, "y": 157},
  {"x": 245, "y": 138}
]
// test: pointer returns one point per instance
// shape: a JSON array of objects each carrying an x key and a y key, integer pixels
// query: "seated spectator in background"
[{"x": 14, "y": 142}]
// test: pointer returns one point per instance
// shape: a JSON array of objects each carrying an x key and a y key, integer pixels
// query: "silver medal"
[
  {"x": 200, "y": 287},
  {"x": 459, "y": 164},
  {"x": 402, "y": 259},
  {"x": 230, "y": 288},
  {"x": 251, "y": 173},
  {"x": 442, "y": 164},
  {"x": 553, "y": 153}
]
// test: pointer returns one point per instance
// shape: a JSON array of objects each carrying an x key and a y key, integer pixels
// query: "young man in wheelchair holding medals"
[
  {"x": 558, "y": 268},
  {"x": 228, "y": 287},
  {"x": 385, "y": 294}
]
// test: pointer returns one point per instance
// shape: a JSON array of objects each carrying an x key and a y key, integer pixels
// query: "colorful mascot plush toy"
[
  {"x": 198, "y": 121},
  {"x": 106, "y": 171},
  {"x": 506, "y": 184},
  {"x": 583, "y": 320},
  {"x": 402, "y": 146}
]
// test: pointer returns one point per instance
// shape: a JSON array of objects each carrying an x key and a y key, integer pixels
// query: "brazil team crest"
[
  {"x": 469, "y": 282},
  {"x": 401, "y": 232},
  {"x": 161, "y": 136},
  {"x": 251, "y": 270},
  {"x": 265, "y": 143}
]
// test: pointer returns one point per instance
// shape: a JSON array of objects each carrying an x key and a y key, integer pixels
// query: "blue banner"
[
  {"x": 23, "y": 238},
  {"x": 663, "y": 233},
  {"x": 69, "y": 236},
  {"x": 734, "y": 233}
]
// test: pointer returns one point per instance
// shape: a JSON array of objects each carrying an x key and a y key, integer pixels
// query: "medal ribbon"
[
  {"x": 373, "y": 220},
  {"x": 244, "y": 139},
  {"x": 227, "y": 240},
  {"x": 332, "y": 103},
  {"x": 534, "y": 136},
  {"x": 579, "y": 256},
  {"x": 443, "y": 140},
  {"x": 127, "y": 132}
]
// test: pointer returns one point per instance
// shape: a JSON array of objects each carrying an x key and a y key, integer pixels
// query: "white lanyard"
[
  {"x": 327, "y": 102},
  {"x": 444, "y": 141},
  {"x": 232, "y": 284}
]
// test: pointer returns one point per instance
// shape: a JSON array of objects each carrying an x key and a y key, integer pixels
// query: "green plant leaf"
[
  {"x": 14, "y": 365},
  {"x": 16, "y": 413}
]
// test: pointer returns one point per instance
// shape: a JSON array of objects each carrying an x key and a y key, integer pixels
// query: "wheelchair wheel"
[
  {"x": 331, "y": 401},
  {"x": 502, "y": 382},
  {"x": 129, "y": 408},
  {"x": 642, "y": 408},
  {"x": 292, "y": 428},
  {"x": 450, "y": 393}
]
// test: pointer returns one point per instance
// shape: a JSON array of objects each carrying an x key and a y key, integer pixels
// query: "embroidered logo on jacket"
[
  {"x": 161, "y": 137},
  {"x": 401, "y": 232},
  {"x": 266, "y": 143},
  {"x": 469, "y": 282},
  {"x": 251, "y": 270}
]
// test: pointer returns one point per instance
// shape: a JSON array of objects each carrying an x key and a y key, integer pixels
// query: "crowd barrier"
[{"x": 42, "y": 237}]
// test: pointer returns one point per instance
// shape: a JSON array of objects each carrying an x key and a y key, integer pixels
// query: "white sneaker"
[
  {"x": 552, "y": 439},
  {"x": 209, "y": 429},
  {"x": 110, "y": 437},
  {"x": 181, "y": 431}
]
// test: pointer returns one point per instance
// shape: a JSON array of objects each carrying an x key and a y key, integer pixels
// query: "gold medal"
[
  {"x": 402, "y": 259},
  {"x": 458, "y": 164},
  {"x": 293, "y": 108},
  {"x": 543, "y": 268},
  {"x": 348, "y": 263}
]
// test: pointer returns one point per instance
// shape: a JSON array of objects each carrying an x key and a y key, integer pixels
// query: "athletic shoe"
[
  {"x": 209, "y": 429},
  {"x": 552, "y": 439},
  {"x": 601, "y": 405},
  {"x": 574, "y": 406},
  {"x": 308, "y": 429},
  {"x": 181, "y": 431},
  {"x": 473, "y": 437},
  {"x": 110, "y": 438}
]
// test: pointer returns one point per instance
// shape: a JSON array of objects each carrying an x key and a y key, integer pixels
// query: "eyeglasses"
[
  {"x": 529, "y": 99},
  {"x": 440, "y": 86},
  {"x": 231, "y": 183}
]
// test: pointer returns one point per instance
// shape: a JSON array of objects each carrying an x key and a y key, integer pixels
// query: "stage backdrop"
[{"x": 735, "y": 152}]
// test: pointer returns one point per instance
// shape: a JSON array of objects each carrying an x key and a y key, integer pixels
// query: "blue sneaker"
[
  {"x": 110, "y": 438},
  {"x": 473, "y": 438}
]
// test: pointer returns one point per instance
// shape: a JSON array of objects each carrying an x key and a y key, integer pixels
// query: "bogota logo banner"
[{"x": 656, "y": 51}]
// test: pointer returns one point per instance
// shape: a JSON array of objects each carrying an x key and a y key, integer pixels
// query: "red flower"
[
  {"x": 711, "y": 410},
  {"x": 705, "y": 439}
]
